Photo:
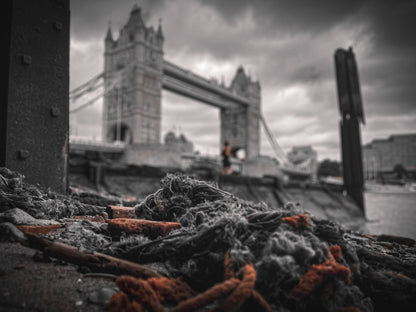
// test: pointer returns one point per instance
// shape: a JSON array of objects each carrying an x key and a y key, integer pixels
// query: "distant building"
[
  {"x": 306, "y": 157},
  {"x": 381, "y": 155},
  {"x": 180, "y": 143}
]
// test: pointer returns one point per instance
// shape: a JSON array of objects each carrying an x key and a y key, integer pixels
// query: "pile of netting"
[
  {"x": 228, "y": 254},
  {"x": 240, "y": 254}
]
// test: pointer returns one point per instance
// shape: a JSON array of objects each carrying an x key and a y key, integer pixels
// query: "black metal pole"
[{"x": 350, "y": 106}]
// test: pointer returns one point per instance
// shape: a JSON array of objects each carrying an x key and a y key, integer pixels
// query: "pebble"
[
  {"x": 102, "y": 295},
  {"x": 10, "y": 233},
  {"x": 18, "y": 216}
]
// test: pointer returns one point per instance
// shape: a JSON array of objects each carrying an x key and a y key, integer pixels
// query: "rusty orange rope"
[
  {"x": 316, "y": 275},
  {"x": 170, "y": 290},
  {"x": 140, "y": 291},
  {"x": 121, "y": 302},
  {"x": 257, "y": 298},
  {"x": 296, "y": 221},
  {"x": 209, "y": 296},
  {"x": 242, "y": 291},
  {"x": 142, "y": 295},
  {"x": 336, "y": 251}
]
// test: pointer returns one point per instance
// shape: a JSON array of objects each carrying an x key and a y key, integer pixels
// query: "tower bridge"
[
  {"x": 138, "y": 51},
  {"x": 135, "y": 73}
]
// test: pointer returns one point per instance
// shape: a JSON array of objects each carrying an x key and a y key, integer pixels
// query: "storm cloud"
[{"x": 287, "y": 45}]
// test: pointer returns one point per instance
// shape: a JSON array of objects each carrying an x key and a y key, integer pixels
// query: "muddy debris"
[{"x": 193, "y": 247}]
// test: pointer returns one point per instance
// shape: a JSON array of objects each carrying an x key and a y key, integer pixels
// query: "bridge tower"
[
  {"x": 240, "y": 125},
  {"x": 133, "y": 69}
]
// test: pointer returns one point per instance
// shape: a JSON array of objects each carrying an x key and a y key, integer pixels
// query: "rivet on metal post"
[
  {"x": 57, "y": 26},
  {"x": 23, "y": 154},
  {"x": 26, "y": 59},
  {"x": 55, "y": 112}
]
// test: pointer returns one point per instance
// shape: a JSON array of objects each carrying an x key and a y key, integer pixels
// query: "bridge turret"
[
  {"x": 159, "y": 35},
  {"x": 109, "y": 36},
  {"x": 241, "y": 126},
  {"x": 243, "y": 85},
  {"x": 135, "y": 19},
  {"x": 133, "y": 75},
  {"x": 108, "y": 46}
]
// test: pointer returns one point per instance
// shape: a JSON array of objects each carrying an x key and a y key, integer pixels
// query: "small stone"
[
  {"x": 101, "y": 295},
  {"x": 19, "y": 217},
  {"x": 10, "y": 233},
  {"x": 78, "y": 303}
]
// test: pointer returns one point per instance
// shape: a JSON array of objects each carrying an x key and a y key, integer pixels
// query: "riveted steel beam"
[{"x": 34, "y": 92}]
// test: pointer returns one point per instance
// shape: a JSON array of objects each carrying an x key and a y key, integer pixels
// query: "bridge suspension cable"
[
  {"x": 92, "y": 85},
  {"x": 96, "y": 98},
  {"x": 86, "y": 87},
  {"x": 90, "y": 102},
  {"x": 88, "y": 90},
  {"x": 280, "y": 154}
]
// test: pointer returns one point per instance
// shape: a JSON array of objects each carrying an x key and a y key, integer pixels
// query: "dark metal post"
[
  {"x": 34, "y": 102},
  {"x": 351, "y": 110}
]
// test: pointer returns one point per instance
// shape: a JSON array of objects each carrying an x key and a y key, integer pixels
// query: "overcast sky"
[{"x": 287, "y": 45}]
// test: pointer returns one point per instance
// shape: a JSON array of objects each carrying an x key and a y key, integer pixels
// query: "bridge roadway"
[
  {"x": 80, "y": 144},
  {"x": 77, "y": 144},
  {"x": 185, "y": 82}
]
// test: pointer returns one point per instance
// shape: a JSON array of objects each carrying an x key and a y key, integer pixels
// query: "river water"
[{"x": 390, "y": 213}]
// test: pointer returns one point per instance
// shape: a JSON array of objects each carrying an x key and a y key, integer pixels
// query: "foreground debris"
[
  {"x": 92, "y": 260},
  {"x": 198, "y": 247}
]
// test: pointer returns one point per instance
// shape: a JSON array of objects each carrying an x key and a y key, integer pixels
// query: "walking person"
[{"x": 226, "y": 154}]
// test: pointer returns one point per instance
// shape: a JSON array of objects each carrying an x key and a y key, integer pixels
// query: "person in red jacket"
[{"x": 226, "y": 154}]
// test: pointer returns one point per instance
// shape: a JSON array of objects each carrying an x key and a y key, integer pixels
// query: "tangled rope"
[
  {"x": 318, "y": 273},
  {"x": 279, "y": 250},
  {"x": 228, "y": 253},
  {"x": 178, "y": 193},
  {"x": 155, "y": 294}
]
